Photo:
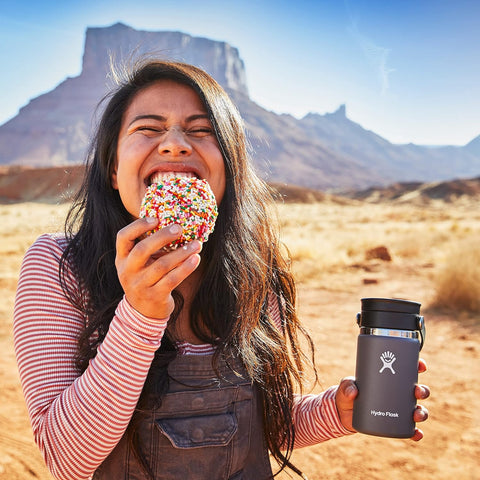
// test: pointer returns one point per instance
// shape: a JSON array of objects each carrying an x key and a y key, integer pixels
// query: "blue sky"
[{"x": 408, "y": 70}]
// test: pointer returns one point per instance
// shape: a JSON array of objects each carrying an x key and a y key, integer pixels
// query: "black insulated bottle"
[{"x": 392, "y": 333}]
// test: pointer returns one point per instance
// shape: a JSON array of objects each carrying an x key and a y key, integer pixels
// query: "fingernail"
[
  {"x": 194, "y": 246},
  {"x": 424, "y": 392},
  {"x": 151, "y": 220},
  {"x": 423, "y": 412},
  {"x": 175, "y": 229},
  {"x": 350, "y": 390},
  {"x": 194, "y": 260}
]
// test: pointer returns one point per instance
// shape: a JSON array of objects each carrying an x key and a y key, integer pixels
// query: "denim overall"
[{"x": 206, "y": 427}]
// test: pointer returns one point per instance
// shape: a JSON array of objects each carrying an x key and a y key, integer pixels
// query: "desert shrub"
[{"x": 458, "y": 283}]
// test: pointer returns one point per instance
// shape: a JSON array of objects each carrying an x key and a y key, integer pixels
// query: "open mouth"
[{"x": 159, "y": 177}]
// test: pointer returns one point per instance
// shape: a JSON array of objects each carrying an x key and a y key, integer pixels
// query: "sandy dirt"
[{"x": 328, "y": 244}]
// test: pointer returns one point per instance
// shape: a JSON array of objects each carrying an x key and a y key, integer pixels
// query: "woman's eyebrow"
[
  {"x": 198, "y": 116},
  {"x": 152, "y": 116},
  {"x": 161, "y": 118}
]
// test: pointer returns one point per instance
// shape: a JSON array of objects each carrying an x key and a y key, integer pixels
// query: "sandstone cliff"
[{"x": 54, "y": 128}]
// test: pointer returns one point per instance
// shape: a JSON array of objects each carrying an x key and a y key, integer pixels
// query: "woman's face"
[{"x": 165, "y": 129}]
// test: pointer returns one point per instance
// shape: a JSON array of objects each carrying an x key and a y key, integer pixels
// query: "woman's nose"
[{"x": 174, "y": 142}]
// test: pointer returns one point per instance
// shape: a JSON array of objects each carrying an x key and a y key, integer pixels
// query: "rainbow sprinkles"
[{"x": 186, "y": 201}]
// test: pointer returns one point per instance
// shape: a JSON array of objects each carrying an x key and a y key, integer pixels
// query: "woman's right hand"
[{"x": 149, "y": 275}]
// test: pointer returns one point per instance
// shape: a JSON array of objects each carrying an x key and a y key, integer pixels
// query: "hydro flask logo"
[{"x": 387, "y": 359}]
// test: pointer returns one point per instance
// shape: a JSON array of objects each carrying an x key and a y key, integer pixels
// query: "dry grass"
[
  {"x": 458, "y": 282},
  {"x": 328, "y": 243},
  {"x": 326, "y": 238}
]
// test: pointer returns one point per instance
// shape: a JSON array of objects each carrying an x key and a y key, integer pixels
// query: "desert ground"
[{"x": 435, "y": 260}]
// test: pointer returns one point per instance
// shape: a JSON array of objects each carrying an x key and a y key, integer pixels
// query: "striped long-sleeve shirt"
[{"x": 78, "y": 418}]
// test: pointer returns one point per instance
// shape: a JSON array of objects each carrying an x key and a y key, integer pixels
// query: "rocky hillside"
[
  {"x": 422, "y": 193},
  {"x": 328, "y": 152},
  {"x": 59, "y": 184},
  {"x": 47, "y": 185}
]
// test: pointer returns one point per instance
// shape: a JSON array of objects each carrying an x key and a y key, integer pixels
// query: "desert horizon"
[{"x": 433, "y": 249}]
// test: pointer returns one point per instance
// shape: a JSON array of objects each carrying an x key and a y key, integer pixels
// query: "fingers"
[
  {"x": 420, "y": 414},
  {"x": 159, "y": 266},
  {"x": 153, "y": 244},
  {"x": 149, "y": 289},
  {"x": 148, "y": 273},
  {"x": 169, "y": 270},
  {"x": 422, "y": 366},
  {"x": 127, "y": 237},
  {"x": 422, "y": 392},
  {"x": 148, "y": 254},
  {"x": 418, "y": 435},
  {"x": 346, "y": 393},
  {"x": 140, "y": 251}
]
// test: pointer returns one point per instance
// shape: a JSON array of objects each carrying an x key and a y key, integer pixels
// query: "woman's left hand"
[{"x": 347, "y": 392}]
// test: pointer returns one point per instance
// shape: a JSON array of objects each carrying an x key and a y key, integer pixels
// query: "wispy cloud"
[{"x": 376, "y": 55}]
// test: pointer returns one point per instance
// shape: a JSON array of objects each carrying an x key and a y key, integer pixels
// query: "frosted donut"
[{"x": 188, "y": 202}]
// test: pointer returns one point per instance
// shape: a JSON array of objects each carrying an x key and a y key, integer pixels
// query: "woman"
[{"x": 138, "y": 363}]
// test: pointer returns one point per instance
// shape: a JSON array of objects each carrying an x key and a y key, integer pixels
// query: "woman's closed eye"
[
  {"x": 148, "y": 130},
  {"x": 198, "y": 132}
]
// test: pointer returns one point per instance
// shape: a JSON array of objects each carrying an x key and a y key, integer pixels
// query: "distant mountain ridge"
[
  {"x": 59, "y": 184},
  {"x": 392, "y": 162},
  {"x": 421, "y": 193},
  {"x": 328, "y": 152},
  {"x": 474, "y": 146}
]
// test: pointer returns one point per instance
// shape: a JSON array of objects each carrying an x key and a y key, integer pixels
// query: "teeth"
[{"x": 159, "y": 177}]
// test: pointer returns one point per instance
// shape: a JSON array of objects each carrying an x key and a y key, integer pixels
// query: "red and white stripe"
[{"x": 77, "y": 419}]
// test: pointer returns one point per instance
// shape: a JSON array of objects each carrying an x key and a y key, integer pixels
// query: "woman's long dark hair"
[{"x": 242, "y": 258}]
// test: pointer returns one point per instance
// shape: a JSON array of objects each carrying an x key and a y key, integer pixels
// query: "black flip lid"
[
  {"x": 390, "y": 305},
  {"x": 389, "y": 313}
]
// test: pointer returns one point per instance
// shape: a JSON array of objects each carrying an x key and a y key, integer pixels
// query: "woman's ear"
[{"x": 113, "y": 180}]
